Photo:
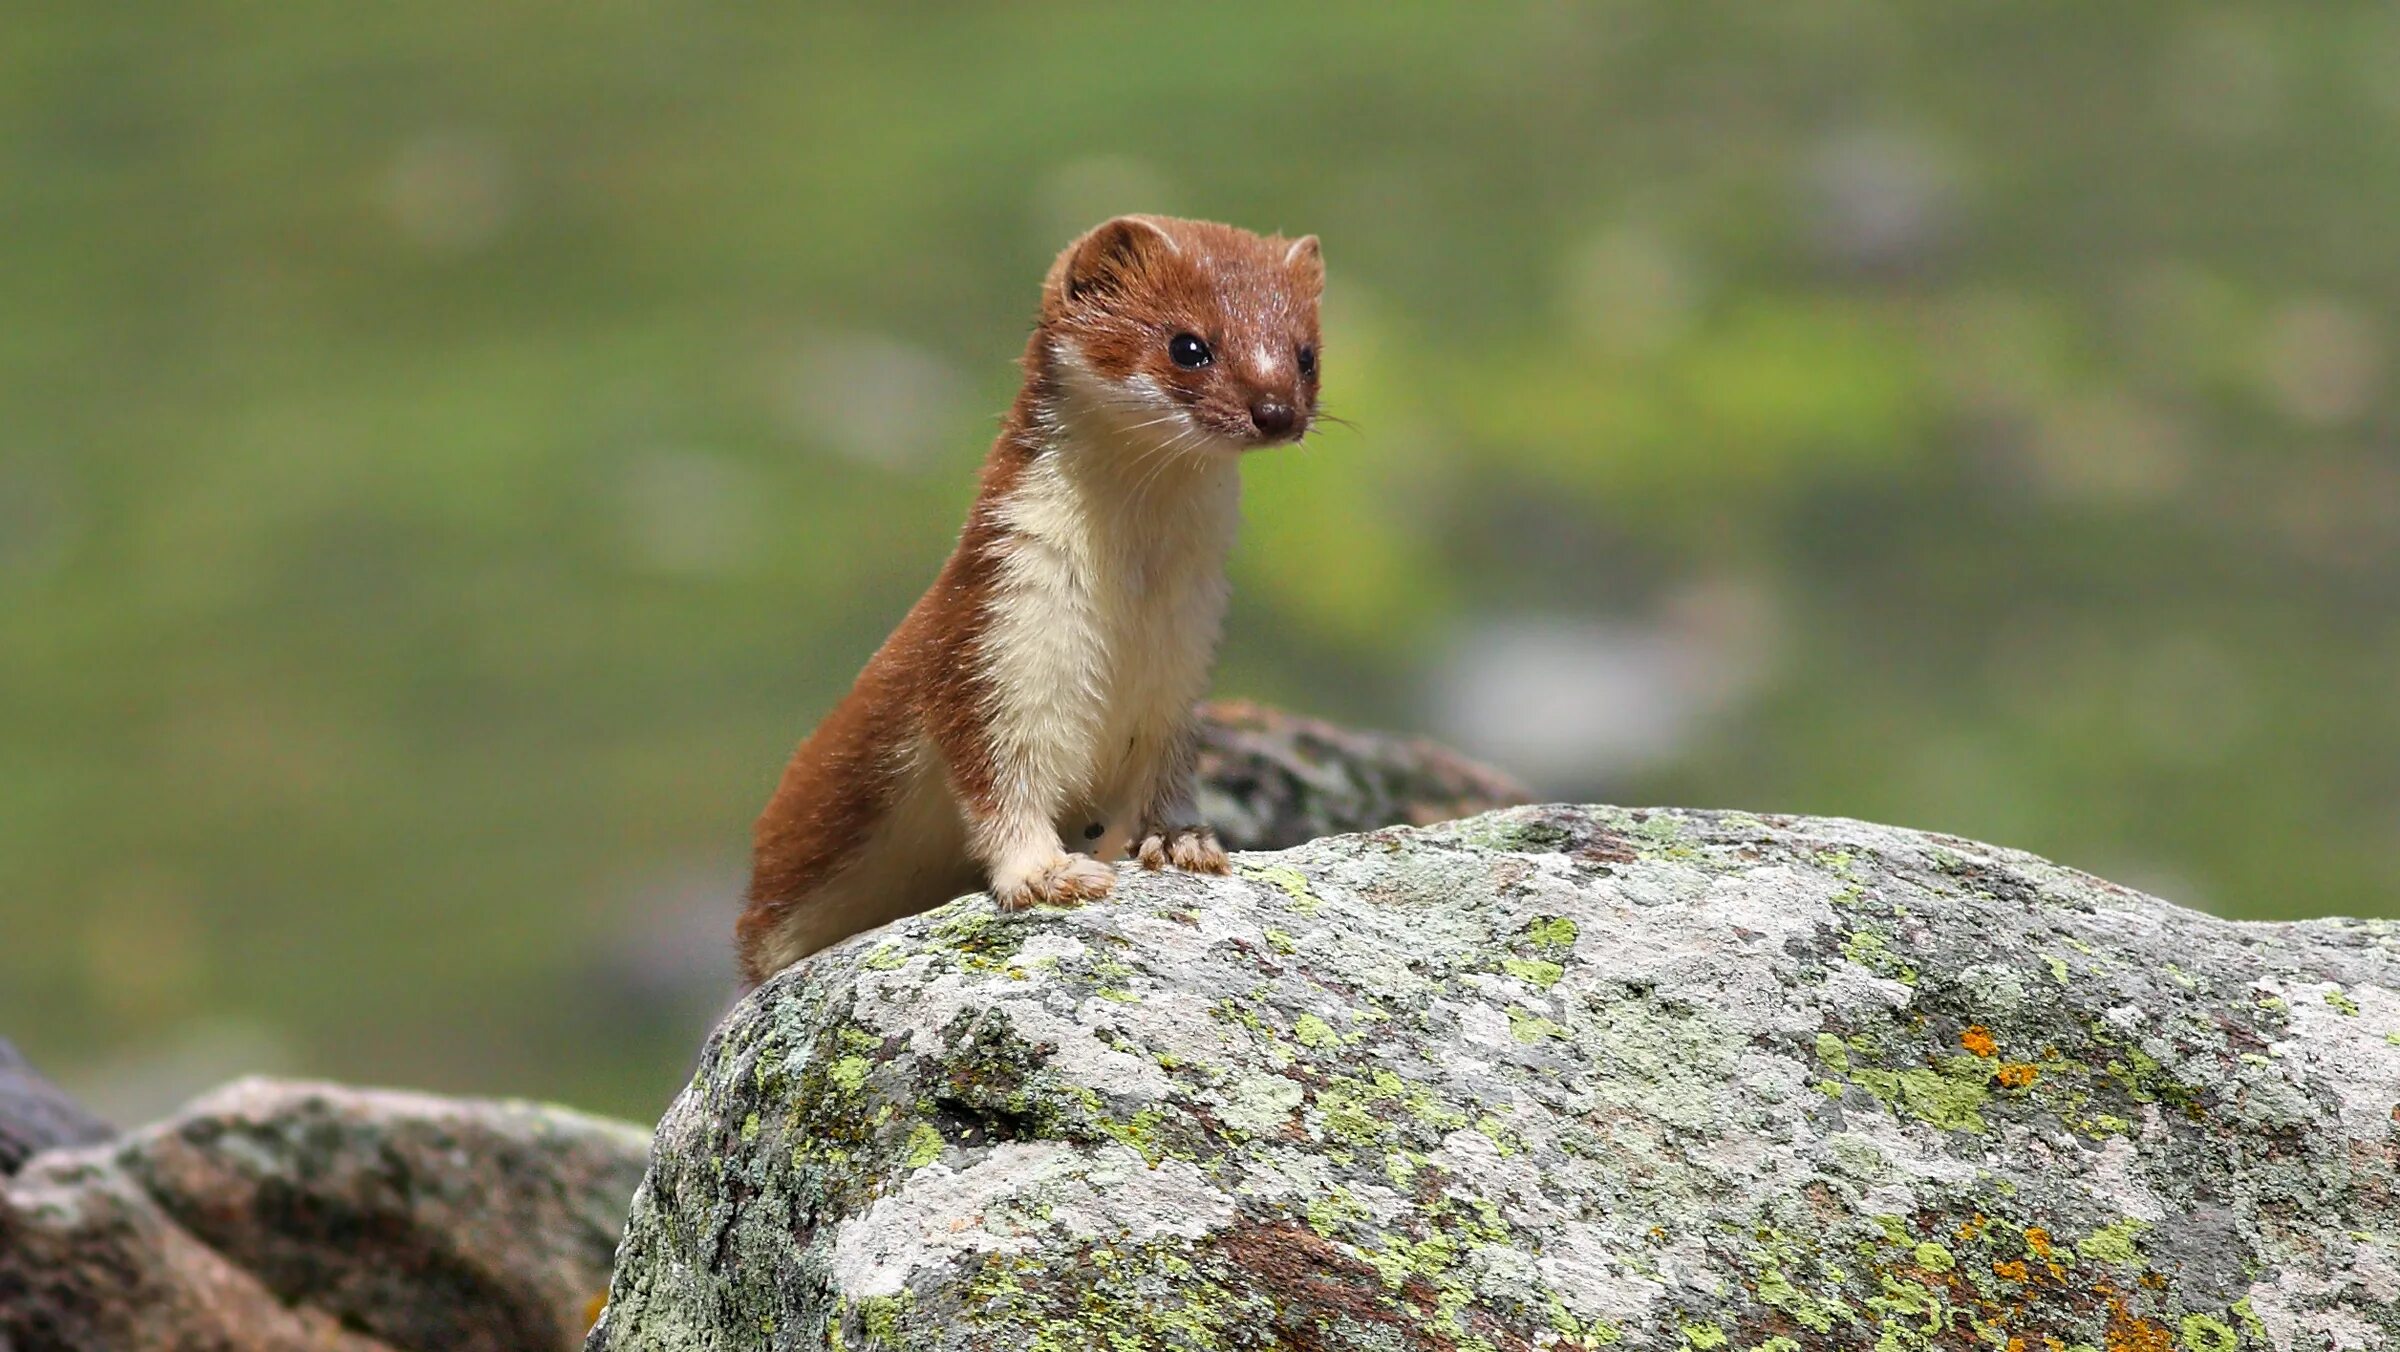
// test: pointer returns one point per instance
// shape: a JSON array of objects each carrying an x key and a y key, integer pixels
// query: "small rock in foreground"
[{"x": 276, "y": 1217}]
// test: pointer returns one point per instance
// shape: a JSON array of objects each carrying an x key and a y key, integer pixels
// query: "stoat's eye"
[
  {"x": 1308, "y": 359},
  {"x": 1188, "y": 351}
]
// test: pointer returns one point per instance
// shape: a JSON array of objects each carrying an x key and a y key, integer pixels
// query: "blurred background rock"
[{"x": 448, "y": 453}]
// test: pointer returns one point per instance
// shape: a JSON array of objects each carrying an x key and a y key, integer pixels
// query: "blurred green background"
[{"x": 449, "y": 452}]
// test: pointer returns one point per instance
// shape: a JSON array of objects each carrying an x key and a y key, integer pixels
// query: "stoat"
[{"x": 1030, "y": 721}]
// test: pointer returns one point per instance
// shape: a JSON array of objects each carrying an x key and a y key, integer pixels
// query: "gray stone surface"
[
  {"x": 274, "y": 1217},
  {"x": 1548, "y": 1078}
]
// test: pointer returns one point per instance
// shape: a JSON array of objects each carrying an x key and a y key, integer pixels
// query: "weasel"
[{"x": 1030, "y": 721}]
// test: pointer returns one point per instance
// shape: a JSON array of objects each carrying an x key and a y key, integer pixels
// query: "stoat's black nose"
[{"x": 1272, "y": 417}]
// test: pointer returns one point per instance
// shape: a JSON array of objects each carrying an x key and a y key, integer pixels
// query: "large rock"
[
  {"x": 276, "y": 1217},
  {"x": 1551, "y": 1077}
]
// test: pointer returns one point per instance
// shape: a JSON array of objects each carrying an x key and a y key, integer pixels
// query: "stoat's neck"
[
  {"x": 1121, "y": 505},
  {"x": 1142, "y": 463}
]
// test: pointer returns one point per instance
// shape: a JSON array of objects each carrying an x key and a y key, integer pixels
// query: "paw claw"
[
  {"x": 1152, "y": 853},
  {"x": 1068, "y": 880},
  {"x": 1191, "y": 848}
]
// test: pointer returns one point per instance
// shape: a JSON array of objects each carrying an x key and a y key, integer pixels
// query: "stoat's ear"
[
  {"x": 1306, "y": 261},
  {"x": 1115, "y": 252}
]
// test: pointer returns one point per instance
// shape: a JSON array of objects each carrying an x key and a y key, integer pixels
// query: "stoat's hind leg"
[{"x": 837, "y": 873}]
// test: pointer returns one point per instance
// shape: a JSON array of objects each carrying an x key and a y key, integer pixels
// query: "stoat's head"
[{"x": 1187, "y": 332}]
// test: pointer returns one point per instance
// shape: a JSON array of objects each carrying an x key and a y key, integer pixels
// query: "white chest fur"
[{"x": 1105, "y": 615}]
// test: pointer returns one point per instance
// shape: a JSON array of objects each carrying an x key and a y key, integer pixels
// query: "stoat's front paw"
[
  {"x": 1186, "y": 847},
  {"x": 1062, "y": 880}
]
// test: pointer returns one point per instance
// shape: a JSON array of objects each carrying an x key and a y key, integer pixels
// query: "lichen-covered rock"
[
  {"x": 275, "y": 1217},
  {"x": 1270, "y": 780},
  {"x": 1548, "y": 1078}
]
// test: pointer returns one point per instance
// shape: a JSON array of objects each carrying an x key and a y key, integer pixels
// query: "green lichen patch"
[
  {"x": 1533, "y": 971},
  {"x": 1872, "y": 951},
  {"x": 1951, "y": 1096},
  {"x": 924, "y": 1146},
  {"x": 1552, "y": 935},
  {"x": 974, "y": 936},
  {"x": 1292, "y": 881},
  {"x": 1315, "y": 1032}
]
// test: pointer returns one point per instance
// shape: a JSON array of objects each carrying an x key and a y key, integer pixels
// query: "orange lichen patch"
[
  {"x": 2128, "y": 1332},
  {"x": 2008, "y": 1310},
  {"x": 2016, "y": 1074},
  {"x": 592, "y": 1309},
  {"x": 1979, "y": 1040}
]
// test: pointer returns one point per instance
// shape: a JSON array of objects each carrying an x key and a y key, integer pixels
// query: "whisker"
[
  {"x": 1166, "y": 461},
  {"x": 1163, "y": 453}
]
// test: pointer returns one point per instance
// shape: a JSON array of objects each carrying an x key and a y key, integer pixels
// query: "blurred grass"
[{"x": 451, "y": 452}]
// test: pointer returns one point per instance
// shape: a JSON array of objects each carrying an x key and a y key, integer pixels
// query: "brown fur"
[{"x": 1114, "y": 298}]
